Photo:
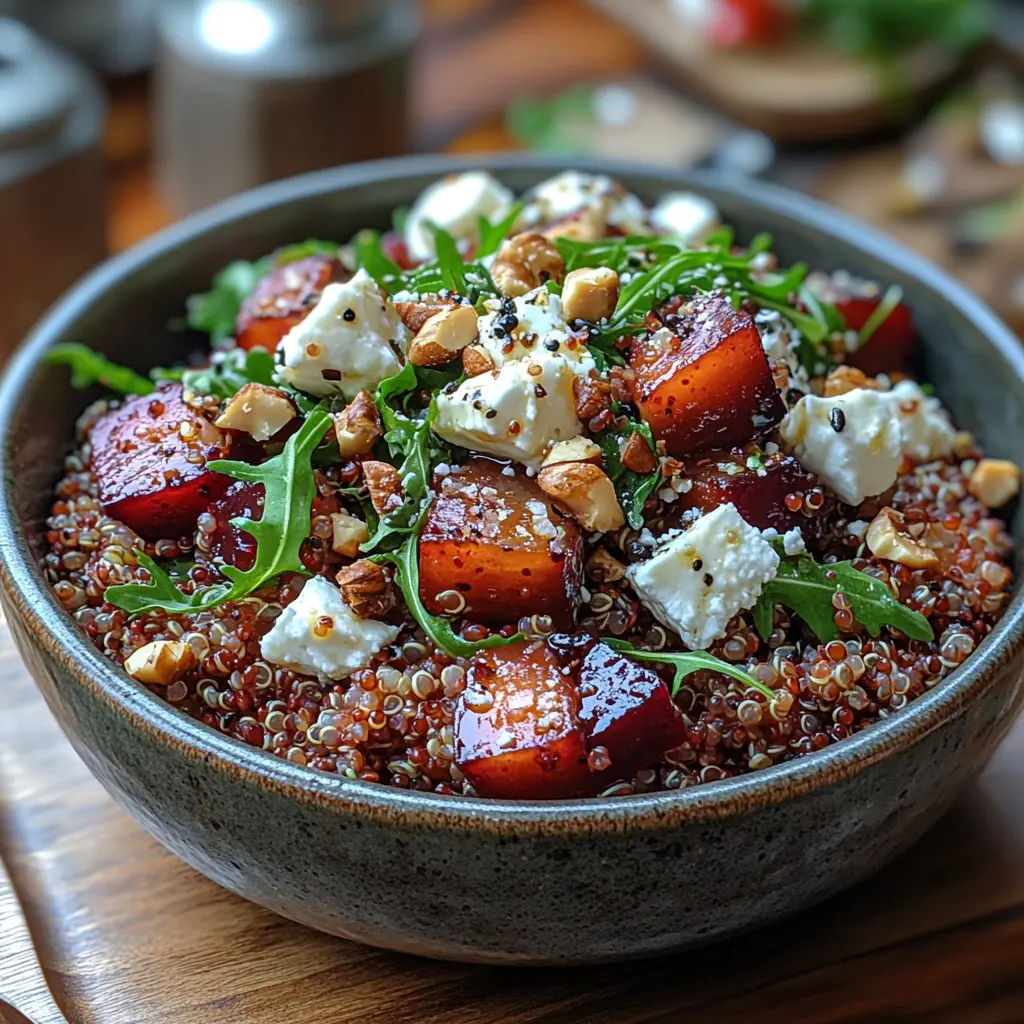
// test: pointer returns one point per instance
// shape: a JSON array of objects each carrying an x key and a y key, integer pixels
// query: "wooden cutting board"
[{"x": 126, "y": 933}]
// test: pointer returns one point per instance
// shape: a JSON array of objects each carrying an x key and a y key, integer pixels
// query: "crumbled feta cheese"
[
  {"x": 770, "y": 533},
  {"x": 858, "y": 528},
  {"x": 558, "y": 198},
  {"x": 793, "y": 542},
  {"x": 346, "y": 344},
  {"x": 512, "y": 412},
  {"x": 701, "y": 578},
  {"x": 348, "y": 642},
  {"x": 686, "y": 215},
  {"x": 780, "y": 342},
  {"x": 852, "y": 441},
  {"x": 927, "y": 431},
  {"x": 539, "y": 325},
  {"x": 455, "y": 203}
]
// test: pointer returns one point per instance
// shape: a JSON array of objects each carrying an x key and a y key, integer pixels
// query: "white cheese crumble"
[
  {"x": 685, "y": 215},
  {"x": 566, "y": 194},
  {"x": 927, "y": 431},
  {"x": 704, "y": 576},
  {"x": 793, "y": 542},
  {"x": 346, "y": 344},
  {"x": 348, "y": 642},
  {"x": 540, "y": 326},
  {"x": 852, "y": 441},
  {"x": 512, "y": 412},
  {"x": 455, "y": 203}
]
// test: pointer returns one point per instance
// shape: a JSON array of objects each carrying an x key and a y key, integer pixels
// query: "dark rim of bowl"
[{"x": 54, "y": 630}]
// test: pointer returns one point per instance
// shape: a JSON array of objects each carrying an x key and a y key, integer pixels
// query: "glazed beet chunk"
[
  {"x": 891, "y": 345},
  {"x": 282, "y": 299},
  {"x": 150, "y": 459},
  {"x": 497, "y": 541},
  {"x": 517, "y": 728},
  {"x": 767, "y": 490},
  {"x": 627, "y": 709},
  {"x": 703, "y": 381}
]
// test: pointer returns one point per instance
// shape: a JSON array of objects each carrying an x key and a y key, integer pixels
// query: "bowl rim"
[{"x": 52, "y": 629}]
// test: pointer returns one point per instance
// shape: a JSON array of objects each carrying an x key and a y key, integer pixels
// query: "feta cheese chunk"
[
  {"x": 685, "y": 215},
  {"x": 566, "y": 194},
  {"x": 347, "y": 642},
  {"x": 512, "y": 412},
  {"x": 455, "y": 203},
  {"x": 705, "y": 575},
  {"x": 853, "y": 442},
  {"x": 793, "y": 542},
  {"x": 927, "y": 431},
  {"x": 346, "y": 344}
]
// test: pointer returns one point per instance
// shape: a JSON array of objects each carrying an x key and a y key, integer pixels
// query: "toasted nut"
[
  {"x": 994, "y": 482},
  {"x": 885, "y": 540},
  {"x": 524, "y": 262},
  {"x": 476, "y": 360},
  {"x": 602, "y": 568},
  {"x": 576, "y": 449},
  {"x": 586, "y": 493},
  {"x": 637, "y": 455},
  {"x": 384, "y": 483},
  {"x": 444, "y": 336},
  {"x": 349, "y": 533},
  {"x": 586, "y": 226},
  {"x": 365, "y": 589},
  {"x": 415, "y": 314},
  {"x": 161, "y": 662},
  {"x": 358, "y": 427},
  {"x": 844, "y": 379},
  {"x": 258, "y": 410},
  {"x": 592, "y": 397},
  {"x": 590, "y": 294}
]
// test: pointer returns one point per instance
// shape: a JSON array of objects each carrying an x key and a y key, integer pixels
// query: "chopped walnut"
[
  {"x": 576, "y": 449},
  {"x": 885, "y": 540},
  {"x": 349, "y": 534},
  {"x": 590, "y": 294},
  {"x": 476, "y": 360},
  {"x": 638, "y": 456},
  {"x": 592, "y": 396},
  {"x": 444, "y": 336},
  {"x": 603, "y": 568},
  {"x": 161, "y": 662},
  {"x": 524, "y": 262},
  {"x": 415, "y": 314},
  {"x": 365, "y": 589},
  {"x": 994, "y": 482},
  {"x": 358, "y": 427},
  {"x": 258, "y": 410},
  {"x": 585, "y": 492},
  {"x": 384, "y": 483}
]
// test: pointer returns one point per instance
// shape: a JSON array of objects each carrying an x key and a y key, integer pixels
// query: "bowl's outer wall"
[{"x": 485, "y": 881}]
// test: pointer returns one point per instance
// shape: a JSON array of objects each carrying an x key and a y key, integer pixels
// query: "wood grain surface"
[{"x": 126, "y": 933}]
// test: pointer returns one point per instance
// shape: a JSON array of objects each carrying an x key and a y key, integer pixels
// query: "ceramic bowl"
[{"x": 472, "y": 879}]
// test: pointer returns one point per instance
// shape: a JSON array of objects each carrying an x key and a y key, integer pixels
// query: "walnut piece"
[
  {"x": 637, "y": 455},
  {"x": 592, "y": 397},
  {"x": 576, "y": 449},
  {"x": 415, "y": 314},
  {"x": 590, "y": 294},
  {"x": 358, "y": 427},
  {"x": 524, "y": 262},
  {"x": 844, "y": 379},
  {"x": 885, "y": 540},
  {"x": 994, "y": 482},
  {"x": 603, "y": 568},
  {"x": 444, "y": 336},
  {"x": 258, "y": 410},
  {"x": 365, "y": 589},
  {"x": 585, "y": 492},
  {"x": 384, "y": 483},
  {"x": 349, "y": 533},
  {"x": 476, "y": 360},
  {"x": 586, "y": 226},
  {"x": 161, "y": 662}
]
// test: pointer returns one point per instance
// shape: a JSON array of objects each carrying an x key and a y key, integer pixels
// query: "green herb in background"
[{"x": 89, "y": 367}]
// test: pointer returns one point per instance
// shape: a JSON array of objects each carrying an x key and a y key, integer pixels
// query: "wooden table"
[{"x": 126, "y": 933}]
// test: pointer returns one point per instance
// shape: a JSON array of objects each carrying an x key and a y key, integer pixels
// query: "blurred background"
[{"x": 118, "y": 116}]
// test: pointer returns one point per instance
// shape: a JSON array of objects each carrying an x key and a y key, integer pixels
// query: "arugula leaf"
[
  {"x": 227, "y": 373},
  {"x": 215, "y": 312},
  {"x": 882, "y": 312},
  {"x": 439, "y": 630},
  {"x": 303, "y": 250},
  {"x": 806, "y": 587},
  {"x": 449, "y": 261},
  {"x": 289, "y": 487},
  {"x": 89, "y": 367},
  {"x": 370, "y": 257},
  {"x": 492, "y": 235},
  {"x": 686, "y": 663},
  {"x": 633, "y": 488}
]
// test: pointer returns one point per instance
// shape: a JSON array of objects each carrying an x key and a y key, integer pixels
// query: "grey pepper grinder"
[
  {"x": 52, "y": 177},
  {"x": 248, "y": 91}
]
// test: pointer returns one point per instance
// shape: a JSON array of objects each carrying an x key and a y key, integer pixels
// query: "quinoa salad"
[{"x": 540, "y": 497}]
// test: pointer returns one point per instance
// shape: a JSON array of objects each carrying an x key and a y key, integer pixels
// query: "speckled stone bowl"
[{"x": 471, "y": 879}]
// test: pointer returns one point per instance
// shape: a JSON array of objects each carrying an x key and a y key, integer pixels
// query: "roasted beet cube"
[
  {"x": 517, "y": 728},
  {"x": 627, "y": 709},
  {"x": 282, "y": 299},
  {"x": 891, "y": 345},
  {"x": 497, "y": 542},
  {"x": 767, "y": 490},
  {"x": 703, "y": 381},
  {"x": 150, "y": 459}
]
